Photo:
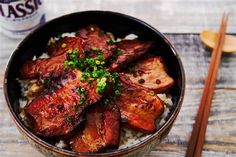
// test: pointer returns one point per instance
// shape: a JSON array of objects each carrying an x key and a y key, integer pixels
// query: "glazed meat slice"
[
  {"x": 53, "y": 66},
  {"x": 127, "y": 51},
  {"x": 65, "y": 44},
  {"x": 102, "y": 129},
  {"x": 149, "y": 73},
  {"x": 97, "y": 42},
  {"x": 43, "y": 68},
  {"x": 57, "y": 112},
  {"x": 139, "y": 108}
]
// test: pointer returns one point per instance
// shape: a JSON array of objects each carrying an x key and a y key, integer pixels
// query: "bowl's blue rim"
[{"x": 116, "y": 152}]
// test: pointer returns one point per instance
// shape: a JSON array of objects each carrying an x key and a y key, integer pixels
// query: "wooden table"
[{"x": 168, "y": 16}]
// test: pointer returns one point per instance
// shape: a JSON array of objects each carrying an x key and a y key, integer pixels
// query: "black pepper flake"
[
  {"x": 141, "y": 81},
  {"x": 51, "y": 105},
  {"x": 59, "y": 107},
  {"x": 135, "y": 75},
  {"x": 158, "y": 81},
  {"x": 140, "y": 72},
  {"x": 161, "y": 60},
  {"x": 142, "y": 107}
]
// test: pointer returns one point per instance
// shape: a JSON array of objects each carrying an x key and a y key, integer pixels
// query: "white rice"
[
  {"x": 131, "y": 37},
  {"x": 127, "y": 37},
  {"x": 128, "y": 137},
  {"x": 72, "y": 34},
  {"x": 61, "y": 144}
]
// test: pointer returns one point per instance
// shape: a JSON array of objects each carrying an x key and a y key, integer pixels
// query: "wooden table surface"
[{"x": 168, "y": 16}]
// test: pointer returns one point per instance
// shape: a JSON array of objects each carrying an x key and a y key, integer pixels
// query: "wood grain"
[
  {"x": 221, "y": 130},
  {"x": 207, "y": 95},
  {"x": 196, "y": 57},
  {"x": 168, "y": 16}
]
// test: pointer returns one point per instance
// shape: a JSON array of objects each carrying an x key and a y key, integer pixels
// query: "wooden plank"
[
  {"x": 169, "y": 16},
  {"x": 220, "y": 136},
  {"x": 195, "y": 57},
  {"x": 13, "y": 150}
]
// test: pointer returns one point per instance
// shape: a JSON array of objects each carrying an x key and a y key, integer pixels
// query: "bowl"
[{"x": 120, "y": 25}]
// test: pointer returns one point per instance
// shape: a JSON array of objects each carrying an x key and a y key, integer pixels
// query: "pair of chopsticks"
[{"x": 198, "y": 134}]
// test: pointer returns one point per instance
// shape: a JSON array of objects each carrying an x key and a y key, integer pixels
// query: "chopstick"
[{"x": 198, "y": 134}]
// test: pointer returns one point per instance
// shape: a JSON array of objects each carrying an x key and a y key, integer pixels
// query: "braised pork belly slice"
[
  {"x": 57, "y": 111},
  {"x": 102, "y": 129},
  {"x": 127, "y": 51},
  {"x": 65, "y": 44},
  {"x": 149, "y": 73},
  {"x": 97, "y": 42},
  {"x": 43, "y": 68},
  {"x": 53, "y": 66},
  {"x": 139, "y": 108}
]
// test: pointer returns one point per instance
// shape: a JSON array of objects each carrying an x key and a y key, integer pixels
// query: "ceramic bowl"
[{"x": 120, "y": 25}]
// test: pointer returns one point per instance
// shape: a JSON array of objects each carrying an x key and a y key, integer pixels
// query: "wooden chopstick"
[
  {"x": 199, "y": 129},
  {"x": 202, "y": 132}
]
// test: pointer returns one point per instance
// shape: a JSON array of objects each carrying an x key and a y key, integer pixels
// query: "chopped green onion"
[
  {"x": 101, "y": 85},
  {"x": 81, "y": 90},
  {"x": 106, "y": 101},
  {"x": 93, "y": 69},
  {"x": 96, "y": 49},
  {"x": 45, "y": 82},
  {"x": 90, "y": 61},
  {"x": 118, "y": 51},
  {"x": 69, "y": 119},
  {"x": 117, "y": 92},
  {"x": 81, "y": 101},
  {"x": 75, "y": 108},
  {"x": 97, "y": 62},
  {"x": 110, "y": 41},
  {"x": 100, "y": 58},
  {"x": 63, "y": 45},
  {"x": 69, "y": 51},
  {"x": 76, "y": 50}
]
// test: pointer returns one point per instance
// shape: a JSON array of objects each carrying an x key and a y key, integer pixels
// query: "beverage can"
[{"x": 19, "y": 17}]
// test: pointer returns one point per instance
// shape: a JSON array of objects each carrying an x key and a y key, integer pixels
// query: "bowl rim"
[{"x": 123, "y": 151}]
